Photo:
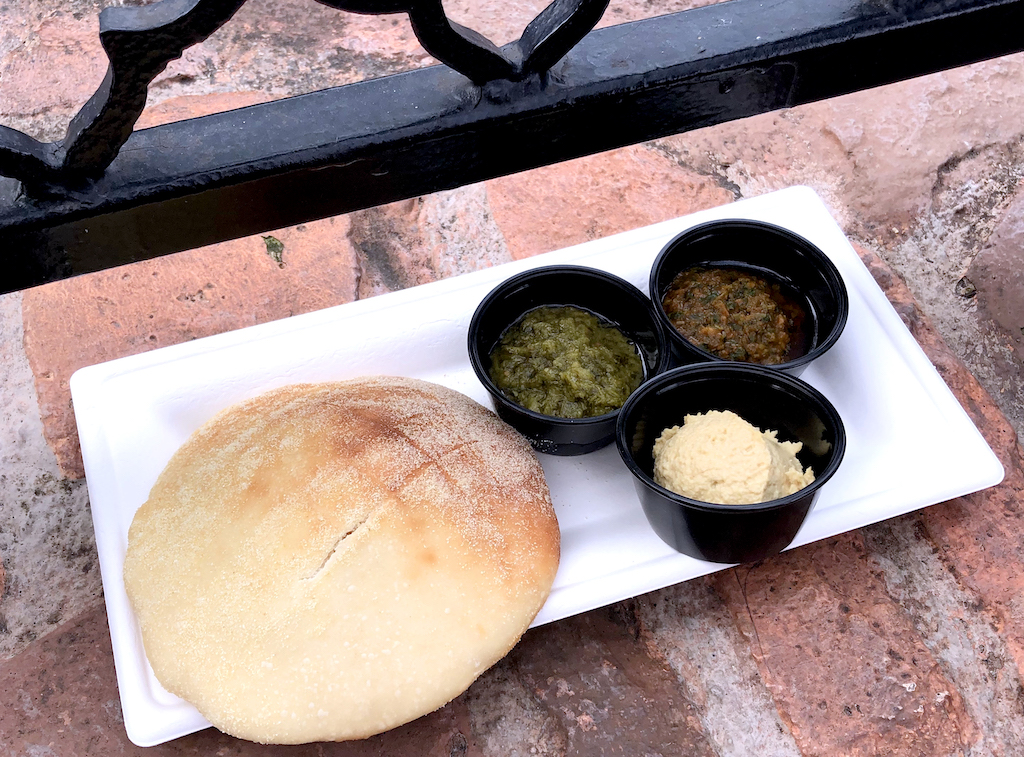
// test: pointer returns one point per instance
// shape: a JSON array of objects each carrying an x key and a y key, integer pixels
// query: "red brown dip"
[{"x": 735, "y": 315}]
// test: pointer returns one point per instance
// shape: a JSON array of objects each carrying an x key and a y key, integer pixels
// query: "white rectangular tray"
[{"x": 910, "y": 444}]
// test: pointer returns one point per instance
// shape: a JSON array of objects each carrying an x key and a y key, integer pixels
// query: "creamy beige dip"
[{"x": 718, "y": 457}]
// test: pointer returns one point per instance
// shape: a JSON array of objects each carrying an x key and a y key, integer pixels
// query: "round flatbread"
[{"x": 329, "y": 561}]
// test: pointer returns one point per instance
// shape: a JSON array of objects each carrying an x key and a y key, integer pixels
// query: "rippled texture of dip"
[
  {"x": 719, "y": 457},
  {"x": 563, "y": 362},
  {"x": 735, "y": 315}
]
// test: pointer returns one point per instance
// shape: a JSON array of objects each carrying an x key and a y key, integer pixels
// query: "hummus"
[{"x": 718, "y": 457}]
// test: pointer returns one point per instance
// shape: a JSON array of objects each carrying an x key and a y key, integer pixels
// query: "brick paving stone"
[
  {"x": 509, "y": 720},
  {"x": 599, "y": 692},
  {"x": 848, "y": 671},
  {"x": 980, "y": 537},
  {"x": 998, "y": 275},
  {"x": 690, "y": 626},
  {"x": 877, "y": 156},
  {"x": 957, "y": 628},
  {"x": 593, "y": 197},
  {"x": 61, "y": 700},
  {"x": 977, "y": 539},
  {"x": 49, "y": 67},
  {"x": 47, "y": 549},
  {"x": 51, "y": 60},
  {"x": 620, "y": 13},
  {"x": 970, "y": 210},
  {"x": 581, "y": 686},
  {"x": 504, "y": 22},
  {"x": 60, "y": 694},
  {"x": 976, "y": 401},
  {"x": 193, "y": 106},
  {"x": 500, "y": 23},
  {"x": 123, "y": 311},
  {"x": 424, "y": 239},
  {"x": 288, "y": 47}
]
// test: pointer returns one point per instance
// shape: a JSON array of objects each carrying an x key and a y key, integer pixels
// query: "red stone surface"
[
  {"x": 601, "y": 694},
  {"x": 980, "y": 537},
  {"x": 47, "y": 79},
  {"x": 999, "y": 276},
  {"x": 124, "y": 311},
  {"x": 883, "y": 156},
  {"x": 589, "y": 198},
  {"x": 102, "y": 316},
  {"x": 424, "y": 239},
  {"x": 590, "y": 687},
  {"x": 61, "y": 699},
  {"x": 194, "y": 106},
  {"x": 847, "y": 669}
]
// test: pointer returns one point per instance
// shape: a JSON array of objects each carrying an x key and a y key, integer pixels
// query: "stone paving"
[{"x": 902, "y": 638}]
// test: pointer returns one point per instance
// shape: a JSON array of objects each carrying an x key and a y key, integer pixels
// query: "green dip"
[{"x": 562, "y": 361}]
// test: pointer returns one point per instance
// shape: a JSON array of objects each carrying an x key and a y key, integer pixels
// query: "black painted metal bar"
[
  {"x": 196, "y": 182},
  {"x": 141, "y": 41}
]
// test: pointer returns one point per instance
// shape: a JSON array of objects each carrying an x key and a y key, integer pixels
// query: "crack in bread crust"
[{"x": 334, "y": 549}]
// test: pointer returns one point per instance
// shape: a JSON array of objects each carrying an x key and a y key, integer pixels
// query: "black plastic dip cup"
[
  {"x": 767, "y": 399},
  {"x": 612, "y": 299},
  {"x": 802, "y": 271}
]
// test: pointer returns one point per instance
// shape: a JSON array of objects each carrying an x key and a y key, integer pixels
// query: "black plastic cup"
[
  {"x": 768, "y": 399},
  {"x": 609, "y": 297},
  {"x": 802, "y": 271}
]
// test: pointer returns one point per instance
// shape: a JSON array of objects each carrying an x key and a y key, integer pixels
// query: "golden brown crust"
[{"x": 327, "y": 561}]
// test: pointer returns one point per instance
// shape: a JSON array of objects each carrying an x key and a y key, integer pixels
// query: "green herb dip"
[{"x": 562, "y": 361}]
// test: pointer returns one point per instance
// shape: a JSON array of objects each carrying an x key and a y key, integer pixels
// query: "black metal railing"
[{"x": 106, "y": 195}]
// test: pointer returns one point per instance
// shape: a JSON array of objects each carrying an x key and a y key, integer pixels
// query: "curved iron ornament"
[{"x": 141, "y": 41}]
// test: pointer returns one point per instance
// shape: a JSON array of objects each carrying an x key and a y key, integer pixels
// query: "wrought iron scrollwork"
[{"x": 141, "y": 41}]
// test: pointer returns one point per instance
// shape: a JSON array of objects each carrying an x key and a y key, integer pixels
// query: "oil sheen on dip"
[
  {"x": 735, "y": 315},
  {"x": 564, "y": 362}
]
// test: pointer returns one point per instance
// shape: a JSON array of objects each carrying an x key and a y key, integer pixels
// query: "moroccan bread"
[{"x": 328, "y": 561}]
